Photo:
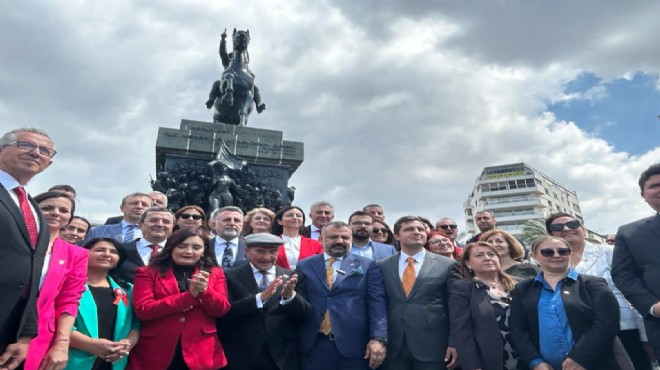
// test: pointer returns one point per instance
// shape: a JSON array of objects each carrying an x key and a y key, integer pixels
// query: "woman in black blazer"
[
  {"x": 479, "y": 311},
  {"x": 589, "y": 310}
]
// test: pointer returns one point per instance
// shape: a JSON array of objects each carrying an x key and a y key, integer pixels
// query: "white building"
[{"x": 515, "y": 193}]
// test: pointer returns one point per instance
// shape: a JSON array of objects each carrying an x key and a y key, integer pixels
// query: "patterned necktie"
[
  {"x": 263, "y": 284},
  {"x": 326, "y": 327},
  {"x": 130, "y": 233},
  {"x": 408, "y": 278},
  {"x": 154, "y": 250},
  {"x": 28, "y": 216},
  {"x": 227, "y": 256}
]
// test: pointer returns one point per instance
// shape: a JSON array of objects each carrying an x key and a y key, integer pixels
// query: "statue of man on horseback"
[{"x": 232, "y": 95}]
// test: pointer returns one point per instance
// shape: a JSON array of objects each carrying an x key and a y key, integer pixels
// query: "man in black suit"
[
  {"x": 228, "y": 247},
  {"x": 260, "y": 330},
  {"x": 156, "y": 225},
  {"x": 636, "y": 259},
  {"x": 24, "y": 235},
  {"x": 321, "y": 213}
]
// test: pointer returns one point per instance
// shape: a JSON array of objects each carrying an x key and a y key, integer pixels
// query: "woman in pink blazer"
[
  {"x": 62, "y": 283},
  {"x": 289, "y": 222}
]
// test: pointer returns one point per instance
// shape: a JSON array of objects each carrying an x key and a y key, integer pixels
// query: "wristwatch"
[{"x": 382, "y": 340}]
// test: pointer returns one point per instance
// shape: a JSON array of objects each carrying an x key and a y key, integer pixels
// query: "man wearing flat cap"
[{"x": 260, "y": 331}]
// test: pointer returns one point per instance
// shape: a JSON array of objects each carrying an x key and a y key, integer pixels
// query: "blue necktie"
[
  {"x": 227, "y": 256},
  {"x": 130, "y": 234},
  {"x": 263, "y": 284}
]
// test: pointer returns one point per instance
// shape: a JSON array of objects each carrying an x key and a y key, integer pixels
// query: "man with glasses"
[
  {"x": 448, "y": 227},
  {"x": 361, "y": 225},
  {"x": 24, "y": 236},
  {"x": 636, "y": 260}
]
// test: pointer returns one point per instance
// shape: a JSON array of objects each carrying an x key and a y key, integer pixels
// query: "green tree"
[{"x": 532, "y": 230}]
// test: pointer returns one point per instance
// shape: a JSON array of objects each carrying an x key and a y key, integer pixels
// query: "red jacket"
[
  {"x": 308, "y": 248},
  {"x": 167, "y": 315}
]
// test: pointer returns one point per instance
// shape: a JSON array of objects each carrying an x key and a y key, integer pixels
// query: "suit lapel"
[
  {"x": 8, "y": 202},
  {"x": 133, "y": 254},
  {"x": 319, "y": 269},
  {"x": 247, "y": 278},
  {"x": 122, "y": 312},
  {"x": 169, "y": 283},
  {"x": 88, "y": 313},
  {"x": 391, "y": 273},
  {"x": 653, "y": 224},
  {"x": 348, "y": 264}
]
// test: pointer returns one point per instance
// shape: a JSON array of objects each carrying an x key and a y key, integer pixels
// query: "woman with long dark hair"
[
  {"x": 177, "y": 298},
  {"x": 289, "y": 223}
]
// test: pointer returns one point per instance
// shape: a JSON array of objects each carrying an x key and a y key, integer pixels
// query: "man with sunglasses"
[
  {"x": 636, "y": 260},
  {"x": 156, "y": 225},
  {"x": 24, "y": 236},
  {"x": 448, "y": 227}
]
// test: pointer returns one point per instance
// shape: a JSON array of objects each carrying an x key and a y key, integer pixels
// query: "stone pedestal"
[{"x": 268, "y": 157}]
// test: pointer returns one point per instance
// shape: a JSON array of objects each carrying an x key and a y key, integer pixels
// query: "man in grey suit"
[
  {"x": 229, "y": 249},
  {"x": 416, "y": 282},
  {"x": 132, "y": 206},
  {"x": 361, "y": 225},
  {"x": 636, "y": 259}
]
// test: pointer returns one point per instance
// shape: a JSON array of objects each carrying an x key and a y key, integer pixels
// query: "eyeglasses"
[
  {"x": 560, "y": 227},
  {"x": 446, "y": 227},
  {"x": 188, "y": 216},
  {"x": 549, "y": 252},
  {"x": 440, "y": 241},
  {"x": 361, "y": 223},
  {"x": 28, "y": 147},
  {"x": 377, "y": 230}
]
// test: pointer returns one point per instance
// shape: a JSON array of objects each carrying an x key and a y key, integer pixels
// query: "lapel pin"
[
  {"x": 567, "y": 292},
  {"x": 61, "y": 262},
  {"x": 339, "y": 271}
]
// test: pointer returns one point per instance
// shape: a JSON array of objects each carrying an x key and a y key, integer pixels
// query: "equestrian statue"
[{"x": 231, "y": 97}]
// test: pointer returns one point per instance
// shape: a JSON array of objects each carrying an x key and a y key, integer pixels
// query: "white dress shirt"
[
  {"x": 292, "y": 249},
  {"x": 419, "y": 260},
  {"x": 221, "y": 244},
  {"x": 144, "y": 249}
]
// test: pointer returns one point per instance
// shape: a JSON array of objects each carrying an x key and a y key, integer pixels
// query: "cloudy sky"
[{"x": 400, "y": 103}]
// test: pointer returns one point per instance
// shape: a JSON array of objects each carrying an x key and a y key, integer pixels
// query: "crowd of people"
[{"x": 257, "y": 290}]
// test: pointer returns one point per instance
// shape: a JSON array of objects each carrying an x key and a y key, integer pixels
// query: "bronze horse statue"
[{"x": 232, "y": 96}]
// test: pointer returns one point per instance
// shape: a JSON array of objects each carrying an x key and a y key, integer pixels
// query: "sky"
[{"x": 399, "y": 103}]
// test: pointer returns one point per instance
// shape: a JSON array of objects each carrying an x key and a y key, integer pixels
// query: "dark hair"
[
  {"x": 277, "y": 229},
  {"x": 89, "y": 225},
  {"x": 359, "y": 213},
  {"x": 516, "y": 250},
  {"x": 199, "y": 209},
  {"x": 405, "y": 219},
  {"x": 365, "y": 208},
  {"x": 156, "y": 209},
  {"x": 426, "y": 222},
  {"x": 553, "y": 217},
  {"x": 120, "y": 251},
  {"x": 505, "y": 279},
  {"x": 390, "y": 235},
  {"x": 653, "y": 170},
  {"x": 63, "y": 187},
  {"x": 55, "y": 194},
  {"x": 163, "y": 261},
  {"x": 537, "y": 243}
]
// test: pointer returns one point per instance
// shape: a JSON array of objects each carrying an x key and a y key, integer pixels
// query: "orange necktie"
[
  {"x": 326, "y": 327},
  {"x": 408, "y": 278}
]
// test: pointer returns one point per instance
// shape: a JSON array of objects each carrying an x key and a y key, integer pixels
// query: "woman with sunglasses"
[
  {"x": 289, "y": 223},
  {"x": 381, "y": 233},
  {"x": 190, "y": 217},
  {"x": 177, "y": 298},
  {"x": 105, "y": 330},
  {"x": 63, "y": 278},
  {"x": 479, "y": 311},
  {"x": 510, "y": 251},
  {"x": 258, "y": 220},
  {"x": 592, "y": 259},
  {"x": 562, "y": 319}
]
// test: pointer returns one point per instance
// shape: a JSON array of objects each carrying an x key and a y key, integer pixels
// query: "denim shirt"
[{"x": 555, "y": 335}]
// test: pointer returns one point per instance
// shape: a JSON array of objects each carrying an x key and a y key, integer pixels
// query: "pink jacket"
[{"x": 60, "y": 293}]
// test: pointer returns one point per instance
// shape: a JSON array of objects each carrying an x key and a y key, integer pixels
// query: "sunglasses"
[
  {"x": 570, "y": 224},
  {"x": 447, "y": 227},
  {"x": 549, "y": 252},
  {"x": 377, "y": 230},
  {"x": 188, "y": 216}
]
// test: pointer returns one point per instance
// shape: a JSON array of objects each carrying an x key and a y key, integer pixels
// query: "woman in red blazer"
[
  {"x": 177, "y": 298},
  {"x": 289, "y": 222}
]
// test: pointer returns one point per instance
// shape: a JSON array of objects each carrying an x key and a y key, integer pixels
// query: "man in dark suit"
[
  {"x": 156, "y": 225},
  {"x": 348, "y": 327},
  {"x": 320, "y": 213},
  {"x": 24, "y": 235},
  {"x": 416, "y": 282},
  {"x": 260, "y": 331},
  {"x": 228, "y": 247},
  {"x": 361, "y": 225},
  {"x": 636, "y": 259},
  {"x": 127, "y": 230},
  {"x": 158, "y": 199}
]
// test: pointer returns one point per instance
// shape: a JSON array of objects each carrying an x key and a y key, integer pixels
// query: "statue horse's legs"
[
  {"x": 228, "y": 97},
  {"x": 244, "y": 112}
]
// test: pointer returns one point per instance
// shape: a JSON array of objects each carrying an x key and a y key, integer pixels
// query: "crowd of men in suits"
[{"x": 358, "y": 305}]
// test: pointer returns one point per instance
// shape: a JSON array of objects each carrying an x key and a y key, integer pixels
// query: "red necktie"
[
  {"x": 28, "y": 216},
  {"x": 154, "y": 250}
]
